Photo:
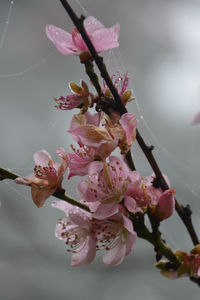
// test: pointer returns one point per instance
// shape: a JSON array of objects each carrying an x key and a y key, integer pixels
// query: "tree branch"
[
  {"x": 59, "y": 193},
  {"x": 78, "y": 22}
]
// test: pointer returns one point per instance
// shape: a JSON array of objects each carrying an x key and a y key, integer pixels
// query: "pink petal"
[
  {"x": 62, "y": 40},
  {"x": 196, "y": 119},
  {"x": 93, "y": 119},
  {"x": 129, "y": 123},
  {"x": 128, "y": 224},
  {"x": 115, "y": 255},
  {"x": 130, "y": 204},
  {"x": 79, "y": 217},
  {"x": 130, "y": 242},
  {"x": 95, "y": 167},
  {"x": 106, "y": 210},
  {"x": 42, "y": 158},
  {"x": 91, "y": 25},
  {"x": 63, "y": 205},
  {"x": 86, "y": 254},
  {"x": 105, "y": 39}
]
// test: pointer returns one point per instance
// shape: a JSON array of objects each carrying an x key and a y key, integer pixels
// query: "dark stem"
[{"x": 78, "y": 22}]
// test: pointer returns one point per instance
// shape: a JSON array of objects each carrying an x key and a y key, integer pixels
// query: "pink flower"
[
  {"x": 102, "y": 38},
  {"x": 81, "y": 98},
  {"x": 106, "y": 185},
  {"x": 47, "y": 176},
  {"x": 116, "y": 236},
  {"x": 76, "y": 230},
  {"x": 120, "y": 82},
  {"x": 141, "y": 194},
  {"x": 196, "y": 119}
]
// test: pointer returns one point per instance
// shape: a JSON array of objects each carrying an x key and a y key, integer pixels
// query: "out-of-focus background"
[{"x": 160, "y": 47}]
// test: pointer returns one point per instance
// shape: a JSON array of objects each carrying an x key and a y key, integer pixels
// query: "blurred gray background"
[{"x": 160, "y": 46}]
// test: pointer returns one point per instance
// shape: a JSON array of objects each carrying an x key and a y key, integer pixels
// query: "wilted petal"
[{"x": 39, "y": 196}]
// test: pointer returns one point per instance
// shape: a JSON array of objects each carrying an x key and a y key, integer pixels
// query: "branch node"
[{"x": 187, "y": 210}]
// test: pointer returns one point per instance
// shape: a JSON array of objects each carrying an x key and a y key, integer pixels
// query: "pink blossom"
[
  {"x": 116, "y": 236},
  {"x": 81, "y": 98},
  {"x": 101, "y": 37},
  {"x": 95, "y": 143},
  {"x": 47, "y": 176},
  {"x": 106, "y": 185},
  {"x": 121, "y": 83},
  {"x": 141, "y": 194},
  {"x": 76, "y": 230},
  {"x": 196, "y": 119}
]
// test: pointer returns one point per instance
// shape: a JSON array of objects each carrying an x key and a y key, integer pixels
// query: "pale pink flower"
[
  {"x": 47, "y": 176},
  {"x": 101, "y": 37},
  {"x": 106, "y": 185},
  {"x": 196, "y": 119},
  {"x": 116, "y": 236},
  {"x": 76, "y": 230}
]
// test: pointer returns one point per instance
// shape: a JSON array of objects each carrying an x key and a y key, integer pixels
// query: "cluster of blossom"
[{"x": 113, "y": 192}]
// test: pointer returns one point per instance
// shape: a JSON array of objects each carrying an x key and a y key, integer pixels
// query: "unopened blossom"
[
  {"x": 115, "y": 235},
  {"x": 196, "y": 119},
  {"x": 81, "y": 98},
  {"x": 189, "y": 264},
  {"x": 106, "y": 185},
  {"x": 76, "y": 230},
  {"x": 101, "y": 37},
  {"x": 47, "y": 177}
]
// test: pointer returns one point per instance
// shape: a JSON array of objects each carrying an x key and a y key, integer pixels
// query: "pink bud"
[{"x": 166, "y": 203}]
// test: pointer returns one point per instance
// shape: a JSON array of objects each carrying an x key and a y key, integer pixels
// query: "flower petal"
[
  {"x": 106, "y": 210},
  {"x": 62, "y": 40},
  {"x": 115, "y": 255},
  {"x": 42, "y": 158},
  {"x": 86, "y": 254}
]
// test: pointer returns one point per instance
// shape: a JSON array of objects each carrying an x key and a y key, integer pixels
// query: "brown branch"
[{"x": 78, "y": 22}]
